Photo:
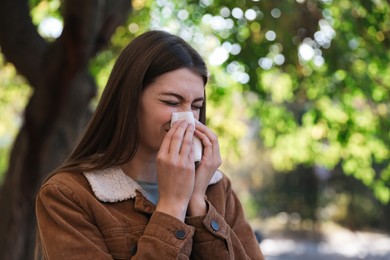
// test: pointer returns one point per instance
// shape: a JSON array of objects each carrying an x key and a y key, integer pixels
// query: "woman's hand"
[
  {"x": 175, "y": 170},
  {"x": 210, "y": 162}
]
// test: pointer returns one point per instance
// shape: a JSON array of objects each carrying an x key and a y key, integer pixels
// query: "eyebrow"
[{"x": 179, "y": 96}]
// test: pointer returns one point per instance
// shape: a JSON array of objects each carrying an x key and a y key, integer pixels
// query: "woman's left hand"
[{"x": 208, "y": 165}]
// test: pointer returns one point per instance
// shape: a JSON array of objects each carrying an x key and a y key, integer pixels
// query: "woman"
[{"x": 130, "y": 189}]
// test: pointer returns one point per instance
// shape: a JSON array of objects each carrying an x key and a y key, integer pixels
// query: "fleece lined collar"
[{"x": 113, "y": 185}]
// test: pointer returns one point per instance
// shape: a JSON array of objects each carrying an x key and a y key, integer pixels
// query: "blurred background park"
[{"x": 299, "y": 96}]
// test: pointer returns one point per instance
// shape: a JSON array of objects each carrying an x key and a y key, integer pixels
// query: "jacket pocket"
[{"x": 122, "y": 241}]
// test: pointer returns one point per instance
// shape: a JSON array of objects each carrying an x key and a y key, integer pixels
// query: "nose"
[{"x": 186, "y": 108}]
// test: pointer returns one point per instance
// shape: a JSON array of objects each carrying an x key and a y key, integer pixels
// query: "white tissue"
[{"x": 189, "y": 117}]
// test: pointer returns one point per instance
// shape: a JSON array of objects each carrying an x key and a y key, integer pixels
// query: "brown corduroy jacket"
[{"x": 105, "y": 215}]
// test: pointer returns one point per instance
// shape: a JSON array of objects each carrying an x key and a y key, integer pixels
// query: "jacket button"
[
  {"x": 214, "y": 225},
  {"x": 180, "y": 234}
]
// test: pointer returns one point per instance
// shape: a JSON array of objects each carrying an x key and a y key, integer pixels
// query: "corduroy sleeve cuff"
[
  {"x": 170, "y": 230},
  {"x": 209, "y": 226}
]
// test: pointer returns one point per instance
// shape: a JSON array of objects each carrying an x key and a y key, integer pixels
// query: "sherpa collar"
[{"x": 113, "y": 185}]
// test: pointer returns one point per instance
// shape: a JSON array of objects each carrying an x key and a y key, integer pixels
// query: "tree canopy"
[{"x": 314, "y": 74}]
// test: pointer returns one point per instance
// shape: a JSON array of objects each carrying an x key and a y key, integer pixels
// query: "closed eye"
[
  {"x": 197, "y": 106},
  {"x": 170, "y": 103}
]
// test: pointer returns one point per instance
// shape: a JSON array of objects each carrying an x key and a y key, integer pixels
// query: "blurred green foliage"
[
  {"x": 320, "y": 72},
  {"x": 307, "y": 81},
  {"x": 14, "y": 93}
]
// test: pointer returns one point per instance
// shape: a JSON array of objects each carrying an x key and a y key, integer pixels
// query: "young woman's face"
[{"x": 176, "y": 91}]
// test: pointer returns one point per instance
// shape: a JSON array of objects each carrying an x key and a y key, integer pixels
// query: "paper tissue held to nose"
[{"x": 189, "y": 117}]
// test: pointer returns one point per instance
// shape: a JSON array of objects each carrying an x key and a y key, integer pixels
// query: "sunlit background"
[{"x": 299, "y": 96}]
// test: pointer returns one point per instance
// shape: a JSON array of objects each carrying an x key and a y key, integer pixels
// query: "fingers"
[
  {"x": 207, "y": 136},
  {"x": 166, "y": 143},
  {"x": 178, "y": 139},
  {"x": 211, "y": 152},
  {"x": 187, "y": 144}
]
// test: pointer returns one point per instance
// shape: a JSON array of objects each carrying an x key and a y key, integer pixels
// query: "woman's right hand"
[{"x": 175, "y": 170}]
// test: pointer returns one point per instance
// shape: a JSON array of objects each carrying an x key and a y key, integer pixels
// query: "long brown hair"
[{"x": 112, "y": 137}]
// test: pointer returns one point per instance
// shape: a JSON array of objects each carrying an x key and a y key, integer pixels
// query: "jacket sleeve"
[
  {"x": 65, "y": 230},
  {"x": 224, "y": 233},
  {"x": 165, "y": 237}
]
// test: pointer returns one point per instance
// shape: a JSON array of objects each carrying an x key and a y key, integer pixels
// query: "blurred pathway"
[{"x": 340, "y": 244}]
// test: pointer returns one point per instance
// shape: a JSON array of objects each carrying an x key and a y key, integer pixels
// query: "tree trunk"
[{"x": 58, "y": 109}]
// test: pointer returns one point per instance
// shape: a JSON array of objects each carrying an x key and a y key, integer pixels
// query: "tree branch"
[
  {"x": 115, "y": 14},
  {"x": 20, "y": 43},
  {"x": 88, "y": 26}
]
